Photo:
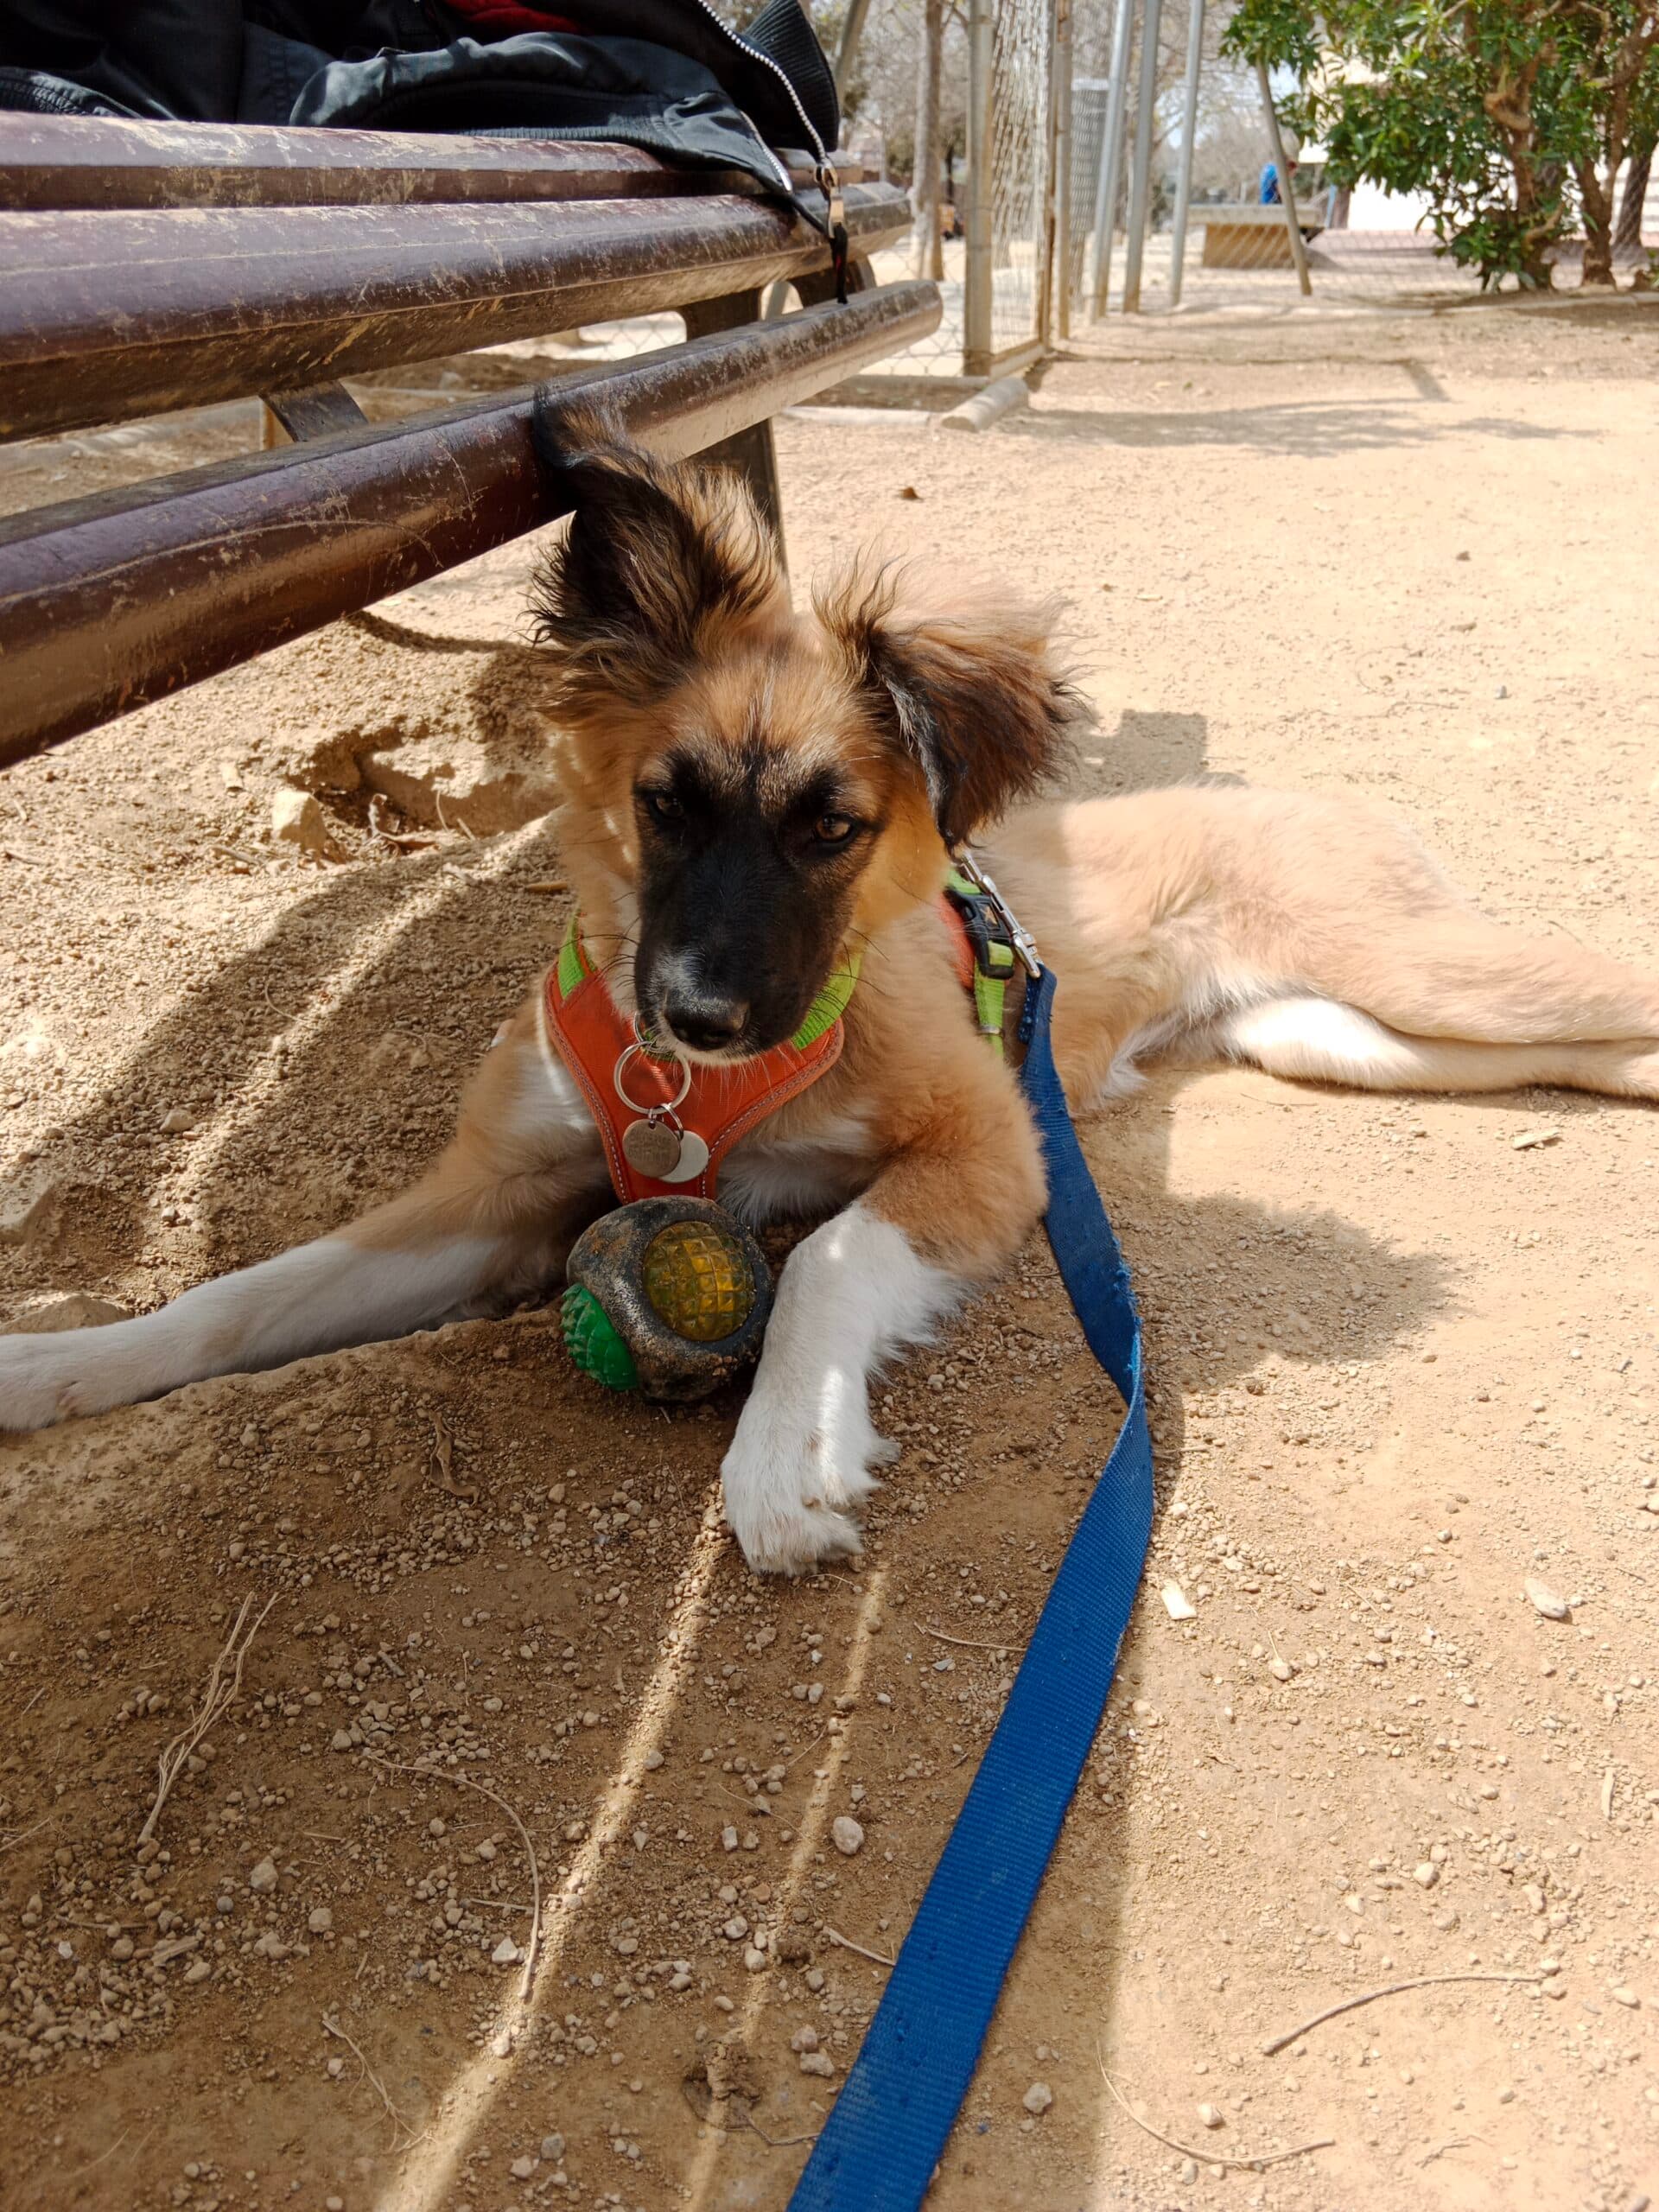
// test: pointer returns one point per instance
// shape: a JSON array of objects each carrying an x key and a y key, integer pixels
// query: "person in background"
[{"x": 1271, "y": 196}]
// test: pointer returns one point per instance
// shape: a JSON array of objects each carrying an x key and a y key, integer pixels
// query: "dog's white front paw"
[
  {"x": 37, "y": 1381},
  {"x": 793, "y": 1485}
]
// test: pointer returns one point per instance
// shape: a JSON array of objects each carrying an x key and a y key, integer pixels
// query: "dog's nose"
[{"x": 704, "y": 1020}]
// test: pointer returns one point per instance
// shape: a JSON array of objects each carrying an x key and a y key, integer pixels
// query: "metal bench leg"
[{"x": 750, "y": 452}]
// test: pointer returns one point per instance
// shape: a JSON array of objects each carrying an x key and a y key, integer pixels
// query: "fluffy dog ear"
[
  {"x": 973, "y": 698},
  {"x": 659, "y": 561}
]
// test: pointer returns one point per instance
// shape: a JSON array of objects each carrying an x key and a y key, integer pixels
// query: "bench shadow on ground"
[
  {"x": 388, "y": 958},
  {"x": 1307, "y": 429}
]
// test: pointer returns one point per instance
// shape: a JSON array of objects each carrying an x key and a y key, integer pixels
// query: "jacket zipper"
[{"x": 829, "y": 183}]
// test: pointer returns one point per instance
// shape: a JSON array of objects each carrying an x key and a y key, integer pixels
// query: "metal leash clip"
[{"x": 1024, "y": 943}]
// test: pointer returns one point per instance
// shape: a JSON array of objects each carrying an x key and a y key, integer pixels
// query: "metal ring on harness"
[{"x": 639, "y": 1048}]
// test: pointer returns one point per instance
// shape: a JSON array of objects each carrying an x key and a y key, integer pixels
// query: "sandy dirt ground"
[{"x": 1402, "y": 1361}]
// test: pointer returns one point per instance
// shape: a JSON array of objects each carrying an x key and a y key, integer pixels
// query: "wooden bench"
[
  {"x": 1244, "y": 234},
  {"x": 146, "y": 268}
]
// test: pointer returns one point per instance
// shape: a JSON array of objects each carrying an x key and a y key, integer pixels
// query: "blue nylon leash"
[{"x": 890, "y": 2124}]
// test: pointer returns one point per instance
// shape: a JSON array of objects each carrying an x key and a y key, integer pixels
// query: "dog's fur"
[{"x": 748, "y": 791}]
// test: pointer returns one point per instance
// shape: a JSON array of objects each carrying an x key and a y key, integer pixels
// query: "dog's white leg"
[
  {"x": 332, "y": 1293},
  {"x": 492, "y": 1219},
  {"x": 799, "y": 1465},
  {"x": 1320, "y": 1040}
]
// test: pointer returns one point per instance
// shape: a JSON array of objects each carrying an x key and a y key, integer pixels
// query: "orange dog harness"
[{"x": 668, "y": 1123}]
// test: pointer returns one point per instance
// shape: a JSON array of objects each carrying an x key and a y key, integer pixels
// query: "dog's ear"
[
  {"x": 659, "y": 561},
  {"x": 973, "y": 698}
]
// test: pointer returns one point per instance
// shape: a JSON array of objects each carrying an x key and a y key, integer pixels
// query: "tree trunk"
[
  {"x": 925, "y": 191},
  {"x": 1627, "y": 235},
  {"x": 1598, "y": 202}
]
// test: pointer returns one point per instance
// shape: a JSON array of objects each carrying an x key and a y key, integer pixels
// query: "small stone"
[
  {"x": 296, "y": 819},
  {"x": 1177, "y": 1604},
  {"x": 1428, "y": 1874},
  {"x": 1281, "y": 1669},
  {"x": 553, "y": 2149},
  {"x": 1038, "y": 2099},
  {"x": 264, "y": 1876},
  {"x": 814, "y": 1979},
  {"x": 804, "y": 2039},
  {"x": 1529, "y": 1140},
  {"x": 1545, "y": 1601},
  {"x": 728, "y": 1838},
  {"x": 1624, "y": 1995},
  {"x": 320, "y": 1920},
  {"x": 340, "y": 1740},
  {"x": 176, "y": 1120},
  {"x": 198, "y": 1970},
  {"x": 754, "y": 1959},
  {"x": 816, "y": 2062},
  {"x": 1211, "y": 2115},
  {"x": 1556, "y": 1987},
  {"x": 846, "y": 1835},
  {"x": 522, "y": 2169},
  {"x": 506, "y": 1953}
]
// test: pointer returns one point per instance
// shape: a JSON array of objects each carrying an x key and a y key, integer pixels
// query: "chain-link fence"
[
  {"x": 1015, "y": 197},
  {"x": 1359, "y": 247}
]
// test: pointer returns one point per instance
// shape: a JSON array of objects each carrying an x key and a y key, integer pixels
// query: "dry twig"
[
  {"x": 705, "y": 2113},
  {"x": 223, "y": 1685},
  {"x": 1203, "y": 2153},
  {"x": 443, "y": 1459},
  {"x": 968, "y": 1644},
  {"x": 468, "y": 1782},
  {"x": 848, "y": 1944},
  {"x": 22, "y": 1835},
  {"x": 1457, "y": 2143},
  {"x": 1388, "y": 1989},
  {"x": 392, "y": 2113}
]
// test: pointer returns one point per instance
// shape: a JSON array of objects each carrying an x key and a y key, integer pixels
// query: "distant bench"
[
  {"x": 150, "y": 267},
  {"x": 1244, "y": 234}
]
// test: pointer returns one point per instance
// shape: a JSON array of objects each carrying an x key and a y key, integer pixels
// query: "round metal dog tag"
[
  {"x": 653, "y": 1148},
  {"x": 694, "y": 1158}
]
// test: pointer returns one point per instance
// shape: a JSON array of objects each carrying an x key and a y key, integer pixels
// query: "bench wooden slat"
[
  {"x": 106, "y": 316},
  {"x": 111, "y": 601},
  {"x": 85, "y": 162}
]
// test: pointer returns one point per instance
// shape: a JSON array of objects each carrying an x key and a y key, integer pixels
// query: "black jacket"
[{"x": 668, "y": 75}]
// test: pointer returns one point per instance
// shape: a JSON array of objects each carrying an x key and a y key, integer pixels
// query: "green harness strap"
[{"x": 994, "y": 965}]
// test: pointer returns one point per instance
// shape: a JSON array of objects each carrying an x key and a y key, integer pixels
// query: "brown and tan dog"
[{"x": 748, "y": 791}]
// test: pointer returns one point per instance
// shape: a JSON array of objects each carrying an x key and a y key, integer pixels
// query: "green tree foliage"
[{"x": 1512, "y": 117}]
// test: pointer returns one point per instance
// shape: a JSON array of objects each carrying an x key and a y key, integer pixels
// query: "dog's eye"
[
  {"x": 662, "y": 806},
  {"x": 833, "y": 828}
]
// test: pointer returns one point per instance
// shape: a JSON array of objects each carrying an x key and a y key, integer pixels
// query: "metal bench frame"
[{"x": 146, "y": 268}]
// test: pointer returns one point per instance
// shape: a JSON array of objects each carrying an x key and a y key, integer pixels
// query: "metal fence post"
[
  {"x": 1112, "y": 156},
  {"x": 1059, "y": 172},
  {"x": 1140, "y": 176},
  {"x": 1287, "y": 187},
  {"x": 977, "y": 328},
  {"x": 1189, "y": 133}
]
